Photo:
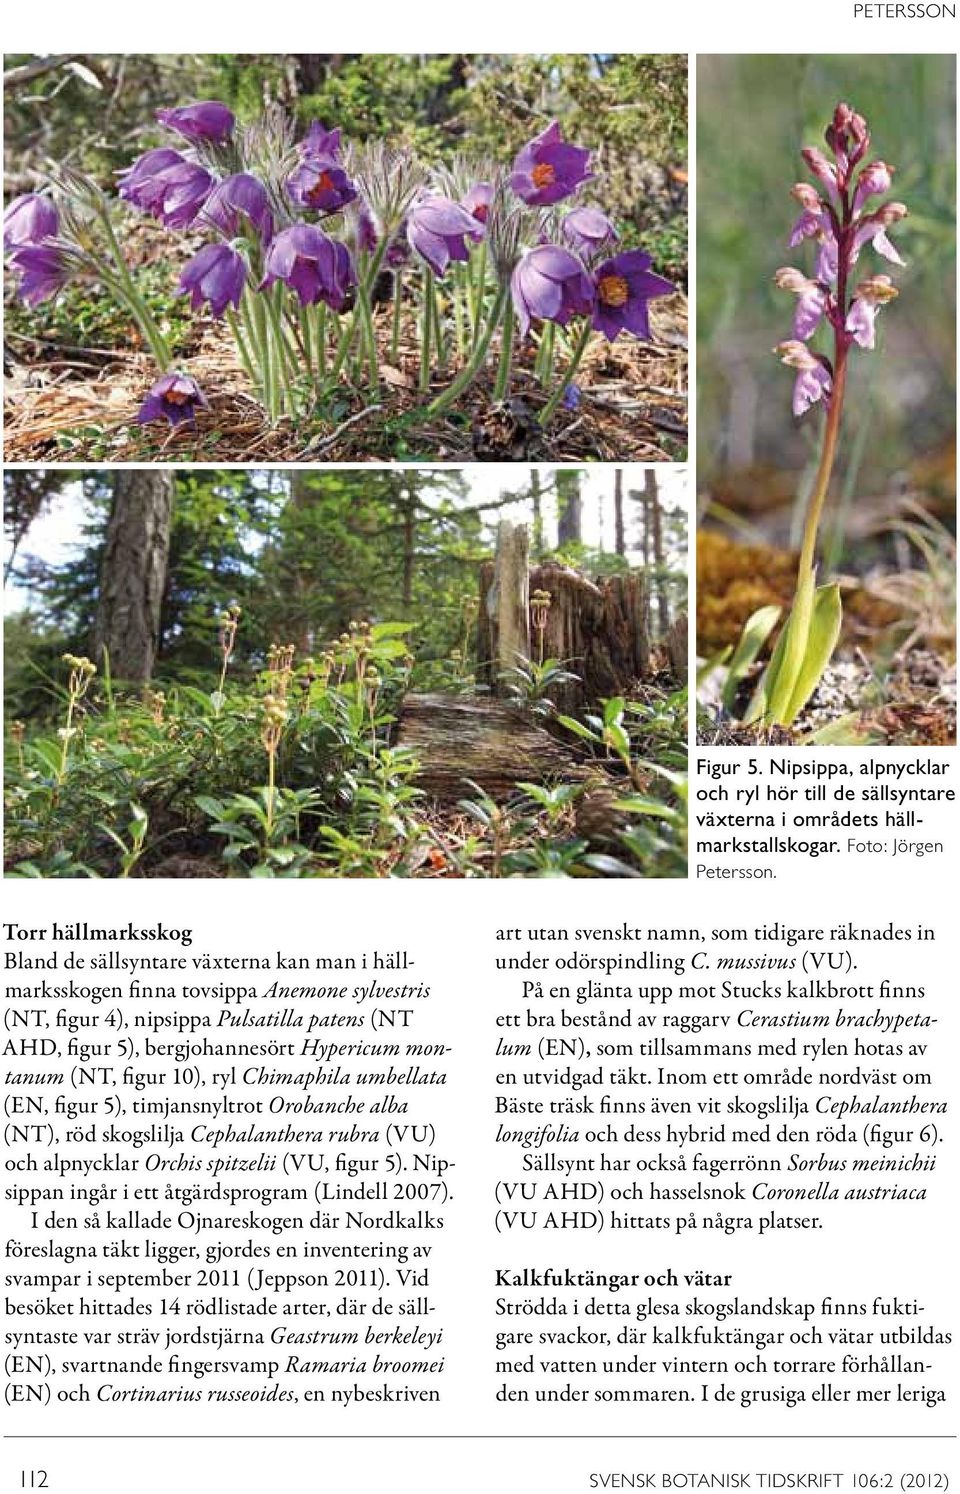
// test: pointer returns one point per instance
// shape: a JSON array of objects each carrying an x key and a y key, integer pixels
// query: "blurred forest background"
[
  {"x": 305, "y": 554},
  {"x": 96, "y": 113},
  {"x": 754, "y": 115}
]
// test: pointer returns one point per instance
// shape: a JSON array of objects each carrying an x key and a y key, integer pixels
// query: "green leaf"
[
  {"x": 822, "y": 635},
  {"x": 578, "y": 729},
  {"x": 711, "y": 665},
  {"x": 756, "y": 630},
  {"x": 212, "y": 807},
  {"x": 851, "y": 730},
  {"x": 794, "y": 638},
  {"x": 613, "y": 710},
  {"x": 616, "y": 737},
  {"x": 389, "y": 630}
]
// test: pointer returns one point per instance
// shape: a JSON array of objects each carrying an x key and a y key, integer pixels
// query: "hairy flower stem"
[
  {"x": 544, "y": 364},
  {"x": 320, "y": 329},
  {"x": 233, "y": 322},
  {"x": 254, "y": 346},
  {"x": 467, "y": 375},
  {"x": 436, "y": 321},
  {"x": 397, "y": 315},
  {"x": 459, "y": 299},
  {"x": 426, "y": 333},
  {"x": 502, "y": 387},
  {"x": 478, "y": 290},
  {"x": 134, "y": 300},
  {"x": 369, "y": 337},
  {"x": 349, "y": 332},
  {"x": 546, "y": 414}
]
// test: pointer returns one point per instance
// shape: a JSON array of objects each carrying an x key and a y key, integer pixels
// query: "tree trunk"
[
  {"x": 568, "y": 517},
  {"x": 675, "y": 645},
  {"x": 503, "y": 622},
  {"x": 619, "y": 541},
  {"x": 133, "y": 573},
  {"x": 653, "y": 499},
  {"x": 410, "y": 502},
  {"x": 535, "y": 498}
]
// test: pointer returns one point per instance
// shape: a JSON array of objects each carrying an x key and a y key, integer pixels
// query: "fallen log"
[{"x": 460, "y": 739}]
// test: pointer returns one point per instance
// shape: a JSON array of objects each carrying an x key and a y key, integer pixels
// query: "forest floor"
[
  {"x": 914, "y": 706},
  {"x": 64, "y": 403}
]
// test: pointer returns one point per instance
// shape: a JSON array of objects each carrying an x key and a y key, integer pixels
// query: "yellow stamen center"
[
  {"x": 543, "y": 175},
  {"x": 176, "y": 397},
  {"x": 613, "y": 290}
]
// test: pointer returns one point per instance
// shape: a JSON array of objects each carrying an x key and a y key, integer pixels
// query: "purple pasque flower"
[
  {"x": 217, "y": 273},
  {"x": 207, "y": 119},
  {"x": 869, "y": 296},
  {"x": 166, "y": 185},
  {"x": 321, "y": 143},
  {"x": 550, "y": 284},
  {"x": 43, "y": 270},
  {"x": 588, "y": 231},
  {"x": 317, "y": 267},
  {"x": 549, "y": 168},
  {"x": 174, "y": 397},
  {"x": 367, "y": 236},
  {"x": 140, "y": 184},
  {"x": 814, "y": 379},
  {"x": 398, "y": 249},
  {"x": 437, "y": 229},
  {"x": 237, "y": 201},
  {"x": 476, "y": 201},
  {"x": 812, "y": 300},
  {"x": 321, "y": 185},
  {"x": 30, "y": 219},
  {"x": 625, "y": 286},
  {"x": 185, "y": 189}
]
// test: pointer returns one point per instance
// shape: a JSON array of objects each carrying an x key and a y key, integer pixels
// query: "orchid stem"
[{"x": 831, "y": 432}]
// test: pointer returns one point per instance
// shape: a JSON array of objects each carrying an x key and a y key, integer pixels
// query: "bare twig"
[
  {"x": 27, "y": 71},
  {"x": 316, "y": 447}
]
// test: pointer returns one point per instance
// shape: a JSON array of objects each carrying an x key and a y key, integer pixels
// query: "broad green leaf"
[
  {"x": 389, "y": 630},
  {"x": 578, "y": 728},
  {"x": 851, "y": 730},
  {"x": 796, "y": 635},
  {"x": 711, "y": 665},
  {"x": 613, "y": 710},
  {"x": 756, "y": 630},
  {"x": 616, "y": 737},
  {"x": 822, "y": 635},
  {"x": 212, "y": 807}
]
